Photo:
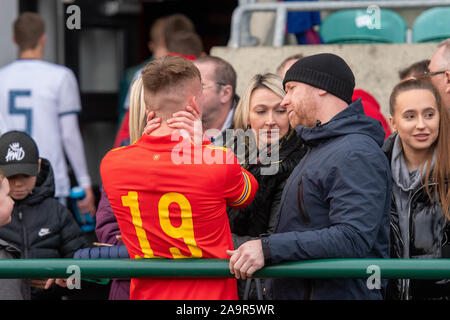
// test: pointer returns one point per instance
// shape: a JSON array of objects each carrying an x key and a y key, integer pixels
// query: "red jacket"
[
  {"x": 123, "y": 132},
  {"x": 372, "y": 109}
]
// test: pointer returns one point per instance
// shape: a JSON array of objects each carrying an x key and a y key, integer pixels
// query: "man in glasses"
[
  {"x": 440, "y": 71},
  {"x": 219, "y": 93}
]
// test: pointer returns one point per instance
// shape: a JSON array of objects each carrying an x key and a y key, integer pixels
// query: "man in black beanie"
[{"x": 336, "y": 202}]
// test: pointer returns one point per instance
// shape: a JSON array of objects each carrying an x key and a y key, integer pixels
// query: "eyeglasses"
[
  {"x": 204, "y": 86},
  {"x": 428, "y": 73}
]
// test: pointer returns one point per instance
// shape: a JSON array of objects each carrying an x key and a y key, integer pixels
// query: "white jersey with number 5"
[{"x": 42, "y": 99}]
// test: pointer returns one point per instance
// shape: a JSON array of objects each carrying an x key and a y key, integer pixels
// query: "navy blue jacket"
[{"x": 335, "y": 205}]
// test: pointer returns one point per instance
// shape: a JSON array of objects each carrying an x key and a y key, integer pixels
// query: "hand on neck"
[{"x": 163, "y": 130}]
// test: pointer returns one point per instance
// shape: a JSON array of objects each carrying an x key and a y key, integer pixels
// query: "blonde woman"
[{"x": 259, "y": 110}]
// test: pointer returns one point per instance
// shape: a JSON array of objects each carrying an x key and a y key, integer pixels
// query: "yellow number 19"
[{"x": 184, "y": 231}]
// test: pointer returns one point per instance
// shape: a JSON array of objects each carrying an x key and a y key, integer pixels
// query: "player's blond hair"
[
  {"x": 28, "y": 29},
  {"x": 138, "y": 117}
]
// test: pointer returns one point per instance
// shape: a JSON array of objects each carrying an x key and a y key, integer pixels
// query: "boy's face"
[
  {"x": 6, "y": 203},
  {"x": 21, "y": 186}
]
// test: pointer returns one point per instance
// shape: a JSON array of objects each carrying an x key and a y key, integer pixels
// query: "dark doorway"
[{"x": 111, "y": 41}]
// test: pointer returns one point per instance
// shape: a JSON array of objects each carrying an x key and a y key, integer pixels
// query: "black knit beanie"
[{"x": 325, "y": 71}]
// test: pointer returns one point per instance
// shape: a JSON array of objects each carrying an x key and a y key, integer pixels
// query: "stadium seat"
[
  {"x": 432, "y": 25},
  {"x": 363, "y": 26}
]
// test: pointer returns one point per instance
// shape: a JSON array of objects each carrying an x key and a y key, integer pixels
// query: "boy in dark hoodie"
[{"x": 40, "y": 226}]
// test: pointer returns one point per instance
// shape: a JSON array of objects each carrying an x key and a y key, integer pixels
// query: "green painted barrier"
[{"x": 130, "y": 268}]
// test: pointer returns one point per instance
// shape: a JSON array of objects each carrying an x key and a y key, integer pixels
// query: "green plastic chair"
[
  {"x": 432, "y": 25},
  {"x": 363, "y": 26}
]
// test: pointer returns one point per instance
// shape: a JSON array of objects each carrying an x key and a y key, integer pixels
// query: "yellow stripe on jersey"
[
  {"x": 245, "y": 193},
  {"x": 213, "y": 147},
  {"x": 118, "y": 148},
  {"x": 210, "y": 146}
]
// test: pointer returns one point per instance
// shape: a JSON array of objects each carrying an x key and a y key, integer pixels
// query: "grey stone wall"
[{"x": 375, "y": 66}]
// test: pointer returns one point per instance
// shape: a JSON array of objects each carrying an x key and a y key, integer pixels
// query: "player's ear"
[
  {"x": 43, "y": 39},
  {"x": 39, "y": 165}
]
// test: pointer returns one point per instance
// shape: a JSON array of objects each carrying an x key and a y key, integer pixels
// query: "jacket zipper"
[
  {"x": 397, "y": 232},
  {"x": 25, "y": 236},
  {"x": 407, "y": 281},
  {"x": 286, "y": 186}
]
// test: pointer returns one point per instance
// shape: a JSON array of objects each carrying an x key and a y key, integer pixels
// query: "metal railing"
[
  {"x": 135, "y": 268},
  {"x": 240, "y": 22}
]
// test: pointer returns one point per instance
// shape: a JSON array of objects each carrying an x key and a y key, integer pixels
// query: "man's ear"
[
  {"x": 226, "y": 93},
  {"x": 39, "y": 165},
  {"x": 43, "y": 39},
  {"x": 192, "y": 101},
  {"x": 447, "y": 81}
]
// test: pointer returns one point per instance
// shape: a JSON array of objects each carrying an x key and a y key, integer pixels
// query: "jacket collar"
[{"x": 350, "y": 120}]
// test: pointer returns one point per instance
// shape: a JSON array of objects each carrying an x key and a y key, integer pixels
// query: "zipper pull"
[{"x": 20, "y": 215}]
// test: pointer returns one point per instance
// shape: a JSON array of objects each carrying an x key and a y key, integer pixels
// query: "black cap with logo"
[{"x": 19, "y": 154}]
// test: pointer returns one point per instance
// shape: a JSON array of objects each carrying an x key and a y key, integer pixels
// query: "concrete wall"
[
  {"x": 47, "y": 10},
  {"x": 375, "y": 66},
  {"x": 9, "y": 11}
]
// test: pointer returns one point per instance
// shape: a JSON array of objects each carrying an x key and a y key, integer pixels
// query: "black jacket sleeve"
[{"x": 71, "y": 236}]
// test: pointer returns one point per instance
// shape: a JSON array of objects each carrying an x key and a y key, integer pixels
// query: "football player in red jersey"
[{"x": 170, "y": 195}]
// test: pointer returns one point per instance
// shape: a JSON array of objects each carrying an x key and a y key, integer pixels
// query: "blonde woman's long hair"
[
  {"x": 138, "y": 117},
  {"x": 266, "y": 81}
]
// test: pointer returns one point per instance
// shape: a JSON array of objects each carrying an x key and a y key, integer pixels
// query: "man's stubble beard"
[{"x": 305, "y": 117}]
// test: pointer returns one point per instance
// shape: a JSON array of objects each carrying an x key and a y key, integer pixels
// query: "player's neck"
[
  {"x": 31, "y": 54},
  {"x": 163, "y": 130}
]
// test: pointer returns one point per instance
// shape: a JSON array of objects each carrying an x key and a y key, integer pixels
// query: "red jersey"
[{"x": 170, "y": 201}]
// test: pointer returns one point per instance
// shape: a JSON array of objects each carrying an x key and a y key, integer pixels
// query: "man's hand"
[
  {"x": 41, "y": 283},
  {"x": 247, "y": 259},
  {"x": 87, "y": 205},
  {"x": 59, "y": 282}
]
